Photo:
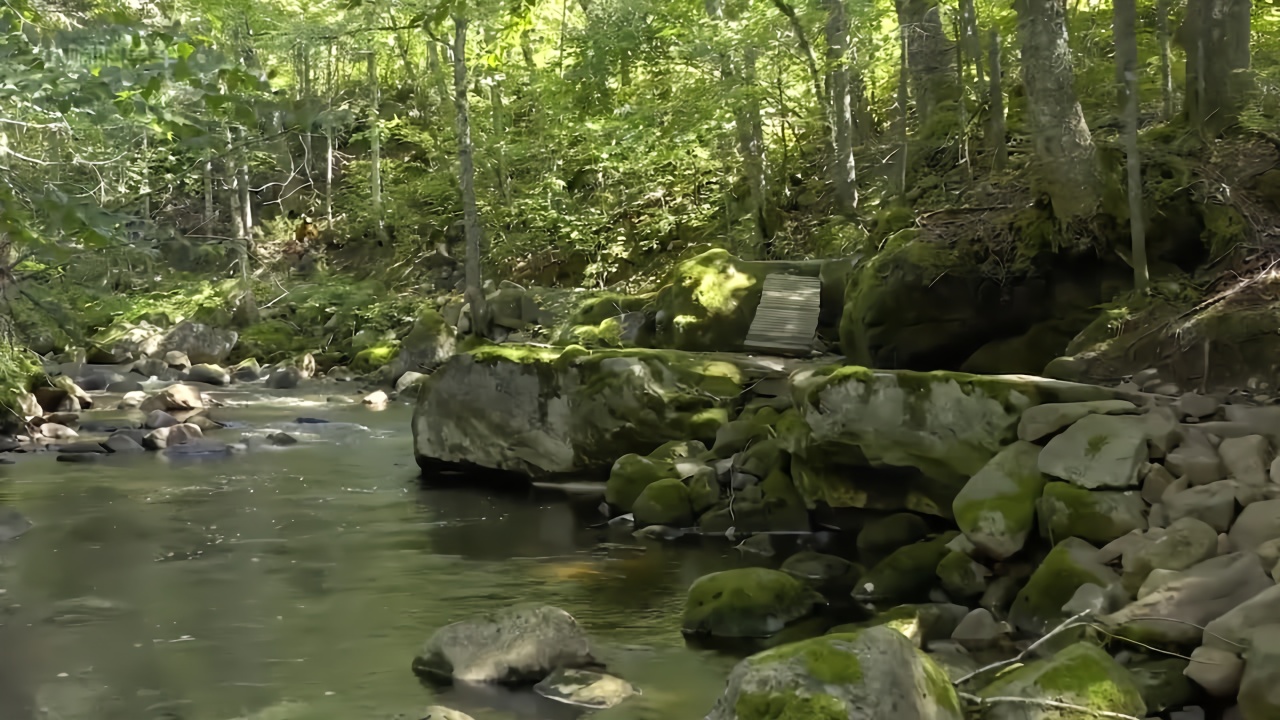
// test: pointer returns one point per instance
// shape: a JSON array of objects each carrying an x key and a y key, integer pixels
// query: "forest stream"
[{"x": 299, "y": 582}]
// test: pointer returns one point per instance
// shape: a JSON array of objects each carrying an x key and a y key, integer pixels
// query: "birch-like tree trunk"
[
  {"x": 843, "y": 167},
  {"x": 995, "y": 100},
  {"x": 1064, "y": 148},
  {"x": 1166, "y": 59},
  {"x": 930, "y": 59},
  {"x": 1215, "y": 34},
  {"x": 375, "y": 175},
  {"x": 1126, "y": 20}
]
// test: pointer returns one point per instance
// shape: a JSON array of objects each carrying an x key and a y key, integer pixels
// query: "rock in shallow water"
[
  {"x": 585, "y": 688},
  {"x": 12, "y": 524},
  {"x": 871, "y": 674},
  {"x": 522, "y": 643},
  {"x": 746, "y": 603},
  {"x": 435, "y": 712}
]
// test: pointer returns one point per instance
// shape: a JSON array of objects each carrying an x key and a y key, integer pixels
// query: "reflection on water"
[{"x": 296, "y": 584}]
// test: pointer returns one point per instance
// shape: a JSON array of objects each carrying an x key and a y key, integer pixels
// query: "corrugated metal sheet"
[{"x": 786, "y": 320}]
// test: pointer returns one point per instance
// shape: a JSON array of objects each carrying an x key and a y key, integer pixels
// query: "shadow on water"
[{"x": 297, "y": 583}]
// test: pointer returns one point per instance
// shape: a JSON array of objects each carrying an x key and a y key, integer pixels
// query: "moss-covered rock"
[
  {"x": 996, "y": 508},
  {"x": 907, "y": 574},
  {"x": 712, "y": 298},
  {"x": 554, "y": 411},
  {"x": 704, "y": 490},
  {"x": 962, "y": 578},
  {"x": 921, "y": 624},
  {"x": 1071, "y": 563},
  {"x": 946, "y": 425},
  {"x": 374, "y": 358},
  {"x": 429, "y": 343},
  {"x": 664, "y": 502},
  {"x": 746, "y": 602},
  {"x": 825, "y": 573},
  {"x": 874, "y": 673},
  {"x": 1097, "y": 516},
  {"x": 778, "y": 508},
  {"x": 1081, "y": 674},
  {"x": 882, "y": 536},
  {"x": 1162, "y": 682}
]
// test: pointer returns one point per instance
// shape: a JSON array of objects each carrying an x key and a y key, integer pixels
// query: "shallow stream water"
[{"x": 297, "y": 583}]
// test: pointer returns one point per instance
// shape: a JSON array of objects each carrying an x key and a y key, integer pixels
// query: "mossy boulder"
[
  {"x": 545, "y": 412},
  {"x": 746, "y": 603},
  {"x": 268, "y": 341},
  {"x": 1082, "y": 675},
  {"x": 907, "y": 574},
  {"x": 773, "y": 505},
  {"x": 1071, "y": 563},
  {"x": 873, "y": 673},
  {"x": 429, "y": 343},
  {"x": 664, "y": 502},
  {"x": 375, "y": 358},
  {"x": 704, "y": 490},
  {"x": 823, "y": 572},
  {"x": 1097, "y": 516},
  {"x": 921, "y": 624},
  {"x": 925, "y": 301},
  {"x": 962, "y": 578},
  {"x": 711, "y": 299},
  {"x": 632, "y": 473},
  {"x": 945, "y": 425},
  {"x": 996, "y": 508},
  {"x": 882, "y": 536}
]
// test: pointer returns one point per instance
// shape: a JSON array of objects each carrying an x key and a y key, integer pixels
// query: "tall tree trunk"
[
  {"x": 843, "y": 167},
  {"x": 971, "y": 41},
  {"x": 930, "y": 57},
  {"x": 996, "y": 138},
  {"x": 1064, "y": 148},
  {"x": 899, "y": 180},
  {"x": 467, "y": 172},
  {"x": 328, "y": 137},
  {"x": 1215, "y": 34},
  {"x": 375, "y": 176},
  {"x": 242, "y": 184},
  {"x": 1126, "y": 20},
  {"x": 749, "y": 132},
  {"x": 497, "y": 107},
  {"x": 208, "y": 191},
  {"x": 1166, "y": 60}
]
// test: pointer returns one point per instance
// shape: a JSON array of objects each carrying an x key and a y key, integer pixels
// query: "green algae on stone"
[
  {"x": 1081, "y": 674},
  {"x": 779, "y": 508},
  {"x": 374, "y": 358},
  {"x": 873, "y": 673},
  {"x": 630, "y": 475},
  {"x": 920, "y": 623},
  {"x": 880, "y": 537},
  {"x": 907, "y": 573},
  {"x": 961, "y": 576},
  {"x": 664, "y": 502},
  {"x": 996, "y": 508},
  {"x": 1097, "y": 516},
  {"x": 704, "y": 490},
  {"x": 1071, "y": 563},
  {"x": 746, "y": 602}
]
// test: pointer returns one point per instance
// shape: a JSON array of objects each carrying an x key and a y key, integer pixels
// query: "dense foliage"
[{"x": 142, "y": 141}]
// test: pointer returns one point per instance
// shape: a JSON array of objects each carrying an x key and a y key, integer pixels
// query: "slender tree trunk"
[
  {"x": 843, "y": 167},
  {"x": 750, "y": 136},
  {"x": 308, "y": 161},
  {"x": 1166, "y": 60},
  {"x": 1064, "y": 148},
  {"x": 899, "y": 182},
  {"x": 208, "y": 191},
  {"x": 467, "y": 171},
  {"x": 996, "y": 140},
  {"x": 328, "y": 138},
  {"x": 231, "y": 171},
  {"x": 1126, "y": 20},
  {"x": 375, "y": 176},
  {"x": 972, "y": 42},
  {"x": 1216, "y": 35},
  {"x": 146, "y": 175},
  {"x": 499, "y": 111},
  {"x": 930, "y": 57}
]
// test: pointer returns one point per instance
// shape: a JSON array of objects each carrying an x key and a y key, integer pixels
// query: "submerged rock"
[
  {"x": 436, "y": 712},
  {"x": 746, "y": 603},
  {"x": 518, "y": 644},
  {"x": 12, "y": 524},
  {"x": 545, "y": 412},
  {"x": 875, "y": 673},
  {"x": 585, "y": 688}
]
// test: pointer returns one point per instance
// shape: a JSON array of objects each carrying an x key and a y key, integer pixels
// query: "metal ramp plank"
[{"x": 786, "y": 320}]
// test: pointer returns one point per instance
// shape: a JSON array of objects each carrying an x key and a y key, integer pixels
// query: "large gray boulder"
[
  {"x": 1260, "y": 686},
  {"x": 1098, "y": 451},
  {"x": 201, "y": 343},
  {"x": 546, "y": 412},
  {"x": 519, "y": 644},
  {"x": 867, "y": 675},
  {"x": 1044, "y": 420}
]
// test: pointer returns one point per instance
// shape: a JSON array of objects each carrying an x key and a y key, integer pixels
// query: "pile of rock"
[{"x": 1009, "y": 504}]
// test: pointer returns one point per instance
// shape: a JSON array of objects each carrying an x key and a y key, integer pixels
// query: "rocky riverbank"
[{"x": 1030, "y": 548}]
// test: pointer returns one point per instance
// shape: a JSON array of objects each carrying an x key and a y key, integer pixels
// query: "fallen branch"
[
  {"x": 1055, "y": 704},
  {"x": 1073, "y": 621}
]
